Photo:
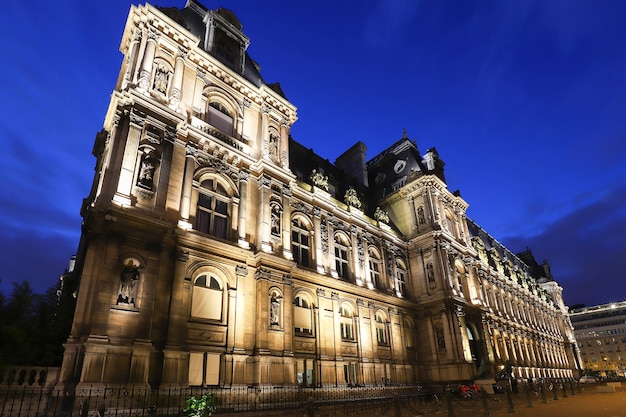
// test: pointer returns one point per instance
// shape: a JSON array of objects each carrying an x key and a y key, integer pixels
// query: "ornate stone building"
[
  {"x": 216, "y": 250},
  {"x": 601, "y": 335}
]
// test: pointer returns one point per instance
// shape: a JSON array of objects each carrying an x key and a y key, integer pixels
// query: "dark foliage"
[{"x": 34, "y": 327}]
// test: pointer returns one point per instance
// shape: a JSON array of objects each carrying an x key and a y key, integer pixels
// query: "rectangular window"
[
  {"x": 205, "y": 365},
  {"x": 346, "y": 331},
  {"x": 196, "y": 362},
  {"x": 341, "y": 262}
]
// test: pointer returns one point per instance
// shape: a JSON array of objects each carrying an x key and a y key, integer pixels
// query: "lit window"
[
  {"x": 207, "y": 298},
  {"x": 341, "y": 256},
  {"x": 300, "y": 246},
  {"x": 303, "y": 320},
  {"x": 204, "y": 369},
  {"x": 212, "y": 212},
  {"x": 346, "y": 322},
  {"x": 400, "y": 278},
  {"x": 375, "y": 268},
  {"x": 381, "y": 329}
]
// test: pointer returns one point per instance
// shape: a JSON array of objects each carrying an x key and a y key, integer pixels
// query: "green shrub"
[{"x": 198, "y": 407}]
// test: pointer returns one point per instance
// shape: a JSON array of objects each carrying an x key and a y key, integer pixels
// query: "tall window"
[
  {"x": 381, "y": 329},
  {"x": 300, "y": 246},
  {"x": 341, "y": 256},
  {"x": 401, "y": 274},
  {"x": 220, "y": 117},
  {"x": 212, "y": 213},
  {"x": 408, "y": 334},
  {"x": 375, "y": 268},
  {"x": 302, "y": 316},
  {"x": 207, "y": 298},
  {"x": 450, "y": 223},
  {"x": 346, "y": 322}
]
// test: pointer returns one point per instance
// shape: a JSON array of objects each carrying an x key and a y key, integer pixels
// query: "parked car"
[{"x": 588, "y": 379}]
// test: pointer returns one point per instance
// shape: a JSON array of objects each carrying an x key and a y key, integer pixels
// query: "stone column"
[
  {"x": 264, "y": 183},
  {"x": 185, "y": 201},
  {"x": 244, "y": 176},
  {"x": 284, "y": 144},
  {"x": 177, "y": 82},
  {"x": 320, "y": 246},
  {"x": 148, "y": 59},
  {"x": 131, "y": 60},
  {"x": 286, "y": 223},
  {"x": 127, "y": 171},
  {"x": 265, "y": 148}
]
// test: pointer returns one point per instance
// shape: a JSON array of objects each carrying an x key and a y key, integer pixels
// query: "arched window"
[
  {"x": 341, "y": 256},
  {"x": 346, "y": 322},
  {"x": 220, "y": 117},
  {"x": 207, "y": 298},
  {"x": 303, "y": 315},
  {"x": 401, "y": 274},
  {"x": 300, "y": 246},
  {"x": 381, "y": 328},
  {"x": 375, "y": 265},
  {"x": 212, "y": 213}
]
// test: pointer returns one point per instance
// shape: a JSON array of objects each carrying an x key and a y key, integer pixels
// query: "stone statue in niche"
[
  {"x": 430, "y": 275},
  {"x": 273, "y": 148},
  {"x": 128, "y": 283},
  {"x": 161, "y": 78},
  {"x": 146, "y": 171},
  {"x": 275, "y": 310},
  {"x": 420, "y": 215},
  {"x": 275, "y": 219}
]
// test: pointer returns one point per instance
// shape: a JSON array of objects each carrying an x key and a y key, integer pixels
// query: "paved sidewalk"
[{"x": 589, "y": 403}]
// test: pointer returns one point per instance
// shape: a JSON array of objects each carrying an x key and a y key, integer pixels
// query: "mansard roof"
[{"x": 193, "y": 17}]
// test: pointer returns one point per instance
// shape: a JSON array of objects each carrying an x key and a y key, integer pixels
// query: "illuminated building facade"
[
  {"x": 216, "y": 250},
  {"x": 601, "y": 335}
]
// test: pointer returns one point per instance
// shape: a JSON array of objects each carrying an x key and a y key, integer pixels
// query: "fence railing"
[{"x": 22, "y": 401}]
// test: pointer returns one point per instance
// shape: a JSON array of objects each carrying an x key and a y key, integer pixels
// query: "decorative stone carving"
[
  {"x": 319, "y": 180},
  {"x": 241, "y": 270},
  {"x": 381, "y": 215},
  {"x": 244, "y": 175},
  {"x": 137, "y": 118},
  {"x": 288, "y": 280},
  {"x": 351, "y": 198},
  {"x": 262, "y": 274},
  {"x": 324, "y": 235}
]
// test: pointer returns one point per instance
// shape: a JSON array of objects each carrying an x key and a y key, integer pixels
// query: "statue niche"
[
  {"x": 147, "y": 168},
  {"x": 129, "y": 279}
]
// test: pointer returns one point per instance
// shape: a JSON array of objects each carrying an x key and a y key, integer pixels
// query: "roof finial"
[{"x": 404, "y": 136}]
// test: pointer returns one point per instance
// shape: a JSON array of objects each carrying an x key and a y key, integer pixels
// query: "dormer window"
[{"x": 226, "y": 48}]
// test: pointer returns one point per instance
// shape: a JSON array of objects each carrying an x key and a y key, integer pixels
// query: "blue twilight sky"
[{"x": 525, "y": 100}]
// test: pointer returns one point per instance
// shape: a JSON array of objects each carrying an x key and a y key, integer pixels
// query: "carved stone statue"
[
  {"x": 381, "y": 215},
  {"x": 128, "y": 284},
  {"x": 274, "y": 311},
  {"x": 352, "y": 199},
  {"x": 319, "y": 180}
]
